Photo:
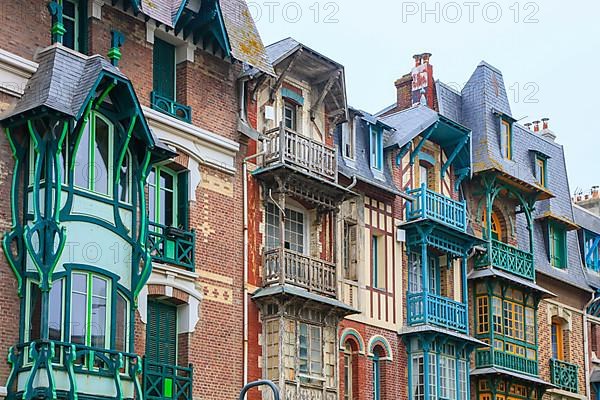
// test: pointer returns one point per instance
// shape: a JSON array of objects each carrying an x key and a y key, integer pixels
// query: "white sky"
[{"x": 548, "y": 51}]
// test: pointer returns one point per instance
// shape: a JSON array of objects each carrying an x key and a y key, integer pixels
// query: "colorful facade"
[{"x": 188, "y": 211}]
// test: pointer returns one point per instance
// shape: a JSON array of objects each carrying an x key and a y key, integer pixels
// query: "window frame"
[
  {"x": 348, "y": 366},
  {"x": 557, "y": 245},
  {"x": 350, "y": 250},
  {"x": 157, "y": 170},
  {"x": 378, "y": 261},
  {"x": 293, "y": 107},
  {"x": 90, "y": 130},
  {"x": 89, "y": 306},
  {"x": 506, "y": 139},
  {"x": 541, "y": 172},
  {"x": 276, "y": 216},
  {"x": 557, "y": 341},
  {"x": 309, "y": 373},
  {"x": 376, "y": 147},
  {"x": 349, "y": 139},
  {"x": 162, "y": 42}
]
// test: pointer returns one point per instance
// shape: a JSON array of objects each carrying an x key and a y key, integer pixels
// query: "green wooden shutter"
[
  {"x": 161, "y": 333},
  {"x": 182, "y": 200},
  {"x": 164, "y": 69}
]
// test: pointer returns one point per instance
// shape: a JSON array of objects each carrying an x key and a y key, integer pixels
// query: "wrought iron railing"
[
  {"x": 285, "y": 146},
  {"x": 171, "y": 107},
  {"x": 429, "y": 308},
  {"x": 44, "y": 357},
  {"x": 172, "y": 246},
  {"x": 508, "y": 258},
  {"x": 165, "y": 381},
  {"x": 286, "y": 266},
  {"x": 564, "y": 375},
  {"x": 435, "y": 206},
  {"x": 491, "y": 357}
]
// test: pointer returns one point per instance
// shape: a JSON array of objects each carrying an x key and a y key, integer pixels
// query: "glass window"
[
  {"x": 290, "y": 115},
  {"x": 348, "y": 139},
  {"x": 415, "y": 273},
  {"x": 162, "y": 194},
  {"x": 376, "y": 377},
  {"x": 557, "y": 341},
  {"x": 122, "y": 325},
  {"x": 89, "y": 310},
  {"x": 55, "y": 308},
  {"x": 125, "y": 183},
  {"x": 483, "y": 321},
  {"x": 295, "y": 229},
  {"x": 506, "y": 139},
  {"x": 350, "y": 251},
  {"x": 71, "y": 22},
  {"x": 310, "y": 350},
  {"x": 557, "y": 246},
  {"x": 348, "y": 366},
  {"x": 93, "y": 162},
  {"x": 540, "y": 171},
  {"x": 376, "y": 147},
  {"x": 378, "y": 261}
]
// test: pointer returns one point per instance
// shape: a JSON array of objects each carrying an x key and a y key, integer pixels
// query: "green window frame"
[
  {"x": 56, "y": 311},
  {"x": 87, "y": 175},
  {"x": 164, "y": 69},
  {"x": 376, "y": 377},
  {"x": 168, "y": 195},
  {"x": 90, "y": 293},
  {"x": 557, "y": 245},
  {"x": 376, "y": 135},
  {"x": 75, "y": 23}
]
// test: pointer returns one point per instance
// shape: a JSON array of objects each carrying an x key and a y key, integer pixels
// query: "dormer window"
[
  {"x": 348, "y": 140},
  {"x": 506, "y": 139},
  {"x": 376, "y": 148},
  {"x": 558, "y": 245},
  {"x": 540, "y": 171}
]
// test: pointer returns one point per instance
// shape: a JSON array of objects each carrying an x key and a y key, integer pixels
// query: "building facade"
[{"x": 188, "y": 211}]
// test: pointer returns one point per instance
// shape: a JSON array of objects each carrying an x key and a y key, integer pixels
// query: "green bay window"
[{"x": 557, "y": 245}]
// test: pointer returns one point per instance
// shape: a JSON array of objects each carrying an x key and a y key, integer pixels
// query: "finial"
[
  {"x": 58, "y": 29},
  {"x": 117, "y": 40}
]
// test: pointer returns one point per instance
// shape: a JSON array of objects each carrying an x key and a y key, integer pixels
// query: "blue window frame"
[
  {"x": 376, "y": 377},
  {"x": 592, "y": 251},
  {"x": 376, "y": 147}
]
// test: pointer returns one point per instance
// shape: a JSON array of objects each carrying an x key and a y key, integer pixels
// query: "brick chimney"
[
  {"x": 546, "y": 132},
  {"x": 417, "y": 84},
  {"x": 590, "y": 201}
]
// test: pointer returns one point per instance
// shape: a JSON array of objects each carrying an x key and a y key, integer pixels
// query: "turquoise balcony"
[
  {"x": 509, "y": 259},
  {"x": 171, "y": 246},
  {"x": 171, "y": 107},
  {"x": 165, "y": 381},
  {"x": 434, "y": 206},
  {"x": 429, "y": 308},
  {"x": 494, "y": 358},
  {"x": 564, "y": 375}
]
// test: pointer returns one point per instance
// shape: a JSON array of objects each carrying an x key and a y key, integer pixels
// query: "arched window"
[
  {"x": 348, "y": 375},
  {"x": 496, "y": 229},
  {"x": 94, "y": 158},
  {"x": 378, "y": 373}
]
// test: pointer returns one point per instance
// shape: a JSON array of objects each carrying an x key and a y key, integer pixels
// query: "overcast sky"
[{"x": 548, "y": 51}]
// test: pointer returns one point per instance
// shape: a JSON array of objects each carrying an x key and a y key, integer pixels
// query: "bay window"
[{"x": 310, "y": 351}]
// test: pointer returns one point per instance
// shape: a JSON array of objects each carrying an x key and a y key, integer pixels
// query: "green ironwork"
[
  {"x": 171, "y": 107},
  {"x": 435, "y": 206},
  {"x": 47, "y": 356},
  {"x": 430, "y": 308},
  {"x": 564, "y": 375},
  {"x": 508, "y": 258},
  {"x": 172, "y": 246},
  {"x": 166, "y": 381},
  {"x": 58, "y": 29},
  {"x": 114, "y": 53},
  {"x": 494, "y": 358}
]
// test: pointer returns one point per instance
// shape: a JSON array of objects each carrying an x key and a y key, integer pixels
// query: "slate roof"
[
  {"x": 295, "y": 291},
  {"x": 63, "y": 81},
  {"x": 361, "y": 166},
  {"x": 586, "y": 219},
  {"x": 409, "y": 124},
  {"x": 477, "y": 107}
]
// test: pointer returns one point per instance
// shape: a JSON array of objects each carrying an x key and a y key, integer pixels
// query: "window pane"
[
  {"x": 35, "y": 311},
  {"x": 121, "y": 324},
  {"x": 166, "y": 207},
  {"x": 78, "y": 308},
  {"x": 69, "y": 36},
  {"x": 98, "y": 313},
  {"x": 101, "y": 157},
  {"x": 55, "y": 311},
  {"x": 124, "y": 178},
  {"x": 82, "y": 160}
]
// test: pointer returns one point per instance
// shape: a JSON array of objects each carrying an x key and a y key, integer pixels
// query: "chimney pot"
[
  {"x": 418, "y": 58},
  {"x": 536, "y": 126},
  {"x": 545, "y": 123},
  {"x": 528, "y": 125},
  {"x": 425, "y": 57}
]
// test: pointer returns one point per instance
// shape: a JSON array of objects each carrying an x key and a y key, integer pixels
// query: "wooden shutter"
[
  {"x": 164, "y": 69},
  {"x": 161, "y": 333},
  {"x": 182, "y": 200}
]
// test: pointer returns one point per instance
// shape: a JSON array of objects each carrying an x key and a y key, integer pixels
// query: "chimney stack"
[
  {"x": 416, "y": 87},
  {"x": 546, "y": 132},
  {"x": 545, "y": 123},
  {"x": 536, "y": 126},
  {"x": 418, "y": 59}
]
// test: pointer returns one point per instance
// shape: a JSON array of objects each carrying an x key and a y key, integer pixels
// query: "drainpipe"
[
  {"x": 246, "y": 255},
  {"x": 586, "y": 353}
]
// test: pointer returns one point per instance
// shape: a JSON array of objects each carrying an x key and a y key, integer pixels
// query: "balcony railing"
[
  {"x": 508, "y": 258},
  {"x": 429, "y": 308},
  {"x": 165, "y": 381},
  {"x": 431, "y": 205},
  {"x": 285, "y": 146},
  {"x": 313, "y": 274},
  {"x": 63, "y": 364},
  {"x": 171, "y": 107},
  {"x": 171, "y": 246},
  {"x": 490, "y": 358},
  {"x": 564, "y": 375}
]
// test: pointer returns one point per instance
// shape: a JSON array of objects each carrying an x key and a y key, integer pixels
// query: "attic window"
[
  {"x": 376, "y": 147},
  {"x": 541, "y": 174},
  {"x": 557, "y": 245},
  {"x": 506, "y": 138},
  {"x": 348, "y": 139}
]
